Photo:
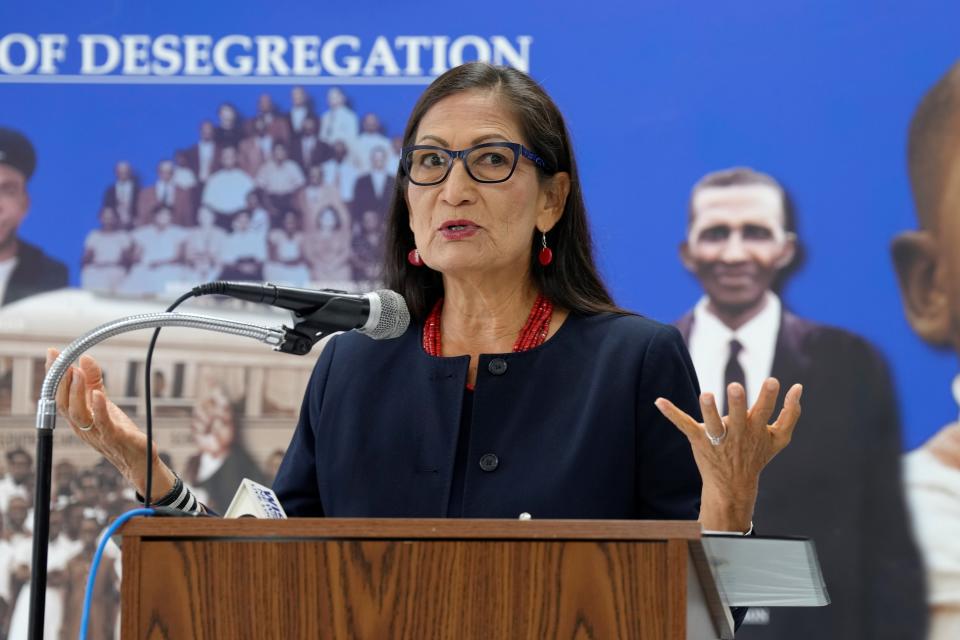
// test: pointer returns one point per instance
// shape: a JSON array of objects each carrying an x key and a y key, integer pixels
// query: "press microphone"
[
  {"x": 380, "y": 315},
  {"x": 253, "y": 500}
]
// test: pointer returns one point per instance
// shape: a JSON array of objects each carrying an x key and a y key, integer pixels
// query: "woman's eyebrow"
[
  {"x": 436, "y": 139},
  {"x": 487, "y": 136}
]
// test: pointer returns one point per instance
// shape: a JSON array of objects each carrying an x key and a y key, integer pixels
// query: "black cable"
[
  {"x": 41, "y": 533},
  {"x": 149, "y": 400}
]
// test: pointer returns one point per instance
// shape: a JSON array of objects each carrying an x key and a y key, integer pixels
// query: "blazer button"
[
  {"x": 497, "y": 366},
  {"x": 489, "y": 461}
]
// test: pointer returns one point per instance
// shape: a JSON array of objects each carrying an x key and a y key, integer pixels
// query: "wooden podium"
[{"x": 210, "y": 579}]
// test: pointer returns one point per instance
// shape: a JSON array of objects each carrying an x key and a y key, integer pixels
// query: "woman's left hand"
[{"x": 732, "y": 451}]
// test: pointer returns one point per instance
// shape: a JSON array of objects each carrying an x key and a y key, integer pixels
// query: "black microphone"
[{"x": 380, "y": 315}]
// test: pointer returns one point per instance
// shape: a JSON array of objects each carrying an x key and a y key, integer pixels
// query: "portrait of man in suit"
[
  {"x": 229, "y": 131},
  {"x": 203, "y": 157},
  {"x": 24, "y": 268},
  {"x": 927, "y": 262},
  {"x": 374, "y": 189},
  {"x": 225, "y": 192},
  {"x": 222, "y": 460},
  {"x": 256, "y": 148},
  {"x": 122, "y": 194},
  {"x": 165, "y": 191},
  {"x": 371, "y": 137},
  {"x": 301, "y": 106},
  {"x": 273, "y": 118},
  {"x": 839, "y": 482},
  {"x": 339, "y": 121},
  {"x": 308, "y": 150}
]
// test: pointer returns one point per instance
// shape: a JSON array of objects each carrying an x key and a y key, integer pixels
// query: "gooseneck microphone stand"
[{"x": 47, "y": 417}]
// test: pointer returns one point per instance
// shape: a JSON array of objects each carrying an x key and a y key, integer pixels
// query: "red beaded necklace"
[{"x": 533, "y": 334}]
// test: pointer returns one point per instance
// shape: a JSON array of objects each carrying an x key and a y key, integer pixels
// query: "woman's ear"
[
  {"x": 923, "y": 286},
  {"x": 554, "y": 200}
]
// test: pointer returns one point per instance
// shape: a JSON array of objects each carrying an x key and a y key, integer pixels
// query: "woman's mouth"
[{"x": 458, "y": 229}]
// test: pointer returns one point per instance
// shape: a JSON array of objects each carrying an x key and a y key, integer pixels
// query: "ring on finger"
[
  {"x": 86, "y": 427},
  {"x": 715, "y": 440}
]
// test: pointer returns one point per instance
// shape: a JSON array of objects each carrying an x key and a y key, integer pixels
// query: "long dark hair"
[{"x": 572, "y": 280}]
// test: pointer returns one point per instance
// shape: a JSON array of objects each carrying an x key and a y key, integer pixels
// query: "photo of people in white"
[{"x": 296, "y": 197}]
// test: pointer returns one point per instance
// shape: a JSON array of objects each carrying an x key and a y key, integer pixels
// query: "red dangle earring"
[
  {"x": 414, "y": 258},
  {"x": 546, "y": 255}
]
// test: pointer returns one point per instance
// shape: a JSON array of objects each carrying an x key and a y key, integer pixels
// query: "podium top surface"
[{"x": 412, "y": 528}]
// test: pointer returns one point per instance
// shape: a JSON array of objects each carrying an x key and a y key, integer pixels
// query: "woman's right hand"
[{"x": 82, "y": 400}]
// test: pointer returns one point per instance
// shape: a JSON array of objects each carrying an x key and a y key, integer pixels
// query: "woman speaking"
[{"x": 520, "y": 387}]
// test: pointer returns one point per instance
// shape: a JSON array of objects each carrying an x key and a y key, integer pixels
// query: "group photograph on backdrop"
[
  {"x": 610, "y": 232},
  {"x": 296, "y": 196}
]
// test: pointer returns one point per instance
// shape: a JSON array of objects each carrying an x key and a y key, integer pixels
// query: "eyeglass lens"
[{"x": 486, "y": 164}]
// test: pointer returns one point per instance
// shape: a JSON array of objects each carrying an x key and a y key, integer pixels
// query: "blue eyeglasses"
[{"x": 490, "y": 162}]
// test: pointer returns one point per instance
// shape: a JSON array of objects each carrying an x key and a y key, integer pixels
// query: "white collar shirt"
[
  {"x": 159, "y": 245},
  {"x": 709, "y": 345},
  {"x": 297, "y": 115},
  {"x": 226, "y": 190},
  {"x": 205, "y": 151},
  {"x": 183, "y": 177},
  {"x": 342, "y": 175},
  {"x": 379, "y": 180},
  {"x": 280, "y": 179},
  {"x": 164, "y": 192},
  {"x": 266, "y": 145},
  {"x": 9, "y": 488},
  {"x": 307, "y": 145},
  {"x": 339, "y": 124},
  {"x": 209, "y": 465},
  {"x": 124, "y": 192},
  {"x": 933, "y": 494},
  {"x": 250, "y": 244}
]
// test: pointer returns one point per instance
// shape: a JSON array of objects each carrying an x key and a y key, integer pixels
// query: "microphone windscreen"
[{"x": 389, "y": 316}]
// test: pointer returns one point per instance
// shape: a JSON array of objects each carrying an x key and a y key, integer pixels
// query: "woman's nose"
[{"x": 459, "y": 188}]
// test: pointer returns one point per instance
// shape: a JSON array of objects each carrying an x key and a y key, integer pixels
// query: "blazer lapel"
[{"x": 789, "y": 360}]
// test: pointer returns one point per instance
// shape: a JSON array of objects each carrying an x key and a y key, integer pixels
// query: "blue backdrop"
[{"x": 656, "y": 94}]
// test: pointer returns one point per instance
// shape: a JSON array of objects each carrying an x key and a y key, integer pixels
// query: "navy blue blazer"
[{"x": 572, "y": 425}]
